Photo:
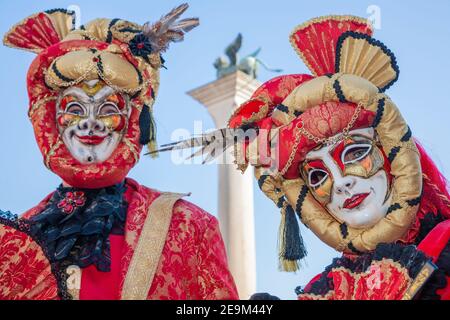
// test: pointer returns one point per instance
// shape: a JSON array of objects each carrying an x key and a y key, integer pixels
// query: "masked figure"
[
  {"x": 333, "y": 149},
  {"x": 91, "y": 93}
]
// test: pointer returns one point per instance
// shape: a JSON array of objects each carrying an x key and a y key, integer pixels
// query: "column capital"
[{"x": 223, "y": 95}]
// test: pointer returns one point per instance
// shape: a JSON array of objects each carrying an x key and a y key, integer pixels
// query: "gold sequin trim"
[
  {"x": 424, "y": 274},
  {"x": 132, "y": 149},
  {"x": 51, "y": 152},
  {"x": 39, "y": 103},
  {"x": 257, "y": 115},
  {"x": 147, "y": 254}
]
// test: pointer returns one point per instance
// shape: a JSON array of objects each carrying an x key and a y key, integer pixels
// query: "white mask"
[
  {"x": 91, "y": 119},
  {"x": 349, "y": 179}
]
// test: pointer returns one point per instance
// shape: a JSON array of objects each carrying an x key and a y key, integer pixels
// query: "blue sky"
[{"x": 416, "y": 31}]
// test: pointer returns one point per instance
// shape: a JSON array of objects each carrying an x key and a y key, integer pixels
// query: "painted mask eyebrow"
[{"x": 355, "y": 143}]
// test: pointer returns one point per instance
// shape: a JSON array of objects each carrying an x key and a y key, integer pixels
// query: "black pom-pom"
[
  {"x": 263, "y": 296},
  {"x": 141, "y": 46}
]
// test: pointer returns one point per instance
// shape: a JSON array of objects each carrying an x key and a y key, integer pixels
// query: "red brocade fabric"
[
  {"x": 25, "y": 271},
  {"x": 268, "y": 95},
  {"x": 34, "y": 33},
  {"x": 358, "y": 286},
  {"x": 97, "y": 285},
  {"x": 193, "y": 264},
  {"x": 317, "y": 41},
  {"x": 353, "y": 286}
]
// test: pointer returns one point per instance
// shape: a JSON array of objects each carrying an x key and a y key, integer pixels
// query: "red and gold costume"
[
  {"x": 101, "y": 235},
  {"x": 319, "y": 116}
]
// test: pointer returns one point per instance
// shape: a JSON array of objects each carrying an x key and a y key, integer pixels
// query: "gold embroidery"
[
  {"x": 51, "y": 152},
  {"x": 74, "y": 281},
  {"x": 384, "y": 266},
  {"x": 132, "y": 149},
  {"x": 145, "y": 260},
  {"x": 424, "y": 274},
  {"x": 39, "y": 103}
]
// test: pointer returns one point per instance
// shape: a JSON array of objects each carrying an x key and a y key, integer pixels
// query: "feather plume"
[
  {"x": 212, "y": 144},
  {"x": 168, "y": 29}
]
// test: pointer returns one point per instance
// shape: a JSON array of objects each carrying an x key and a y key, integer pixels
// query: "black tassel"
[
  {"x": 293, "y": 248},
  {"x": 144, "y": 125},
  {"x": 147, "y": 127}
]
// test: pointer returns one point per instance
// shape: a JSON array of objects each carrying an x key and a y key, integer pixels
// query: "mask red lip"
[
  {"x": 91, "y": 140},
  {"x": 355, "y": 201}
]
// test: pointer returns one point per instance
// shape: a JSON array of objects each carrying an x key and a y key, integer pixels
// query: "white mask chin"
[
  {"x": 371, "y": 210},
  {"x": 358, "y": 201}
]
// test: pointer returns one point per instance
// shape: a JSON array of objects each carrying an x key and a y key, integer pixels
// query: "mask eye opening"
[
  {"x": 114, "y": 109},
  {"x": 75, "y": 108},
  {"x": 357, "y": 152},
  {"x": 316, "y": 177}
]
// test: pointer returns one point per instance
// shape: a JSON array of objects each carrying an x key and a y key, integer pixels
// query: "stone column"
[{"x": 235, "y": 192}]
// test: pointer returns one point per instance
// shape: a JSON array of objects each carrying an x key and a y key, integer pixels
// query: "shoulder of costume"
[
  {"x": 181, "y": 207},
  {"x": 436, "y": 240},
  {"x": 193, "y": 212}
]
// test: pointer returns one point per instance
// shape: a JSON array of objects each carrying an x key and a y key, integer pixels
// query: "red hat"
[{"x": 315, "y": 42}]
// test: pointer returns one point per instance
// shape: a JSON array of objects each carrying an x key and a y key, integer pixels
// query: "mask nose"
[
  {"x": 91, "y": 125},
  {"x": 344, "y": 184}
]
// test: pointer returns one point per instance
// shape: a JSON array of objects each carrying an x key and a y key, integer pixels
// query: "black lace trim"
[
  {"x": 393, "y": 153},
  {"x": 393, "y": 207},
  {"x": 408, "y": 257},
  {"x": 380, "y": 112},
  {"x": 77, "y": 233},
  {"x": 297, "y": 113},
  {"x": 339, "y": 92},
  {"x": 261, "y": 180},
  {"x": 59, "y": 74},
  {"x": 407, "y": 135},
  {"x": 438, "y": 279},
  {"x": 109, "y": 36},
  {"x": 58, "y": 271},
  {"x": 427, "y": 223},
  {"x": 300, "y": 200},
  {"x": 344, "y": 230},
  {"x": 282, "y": 108}
]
